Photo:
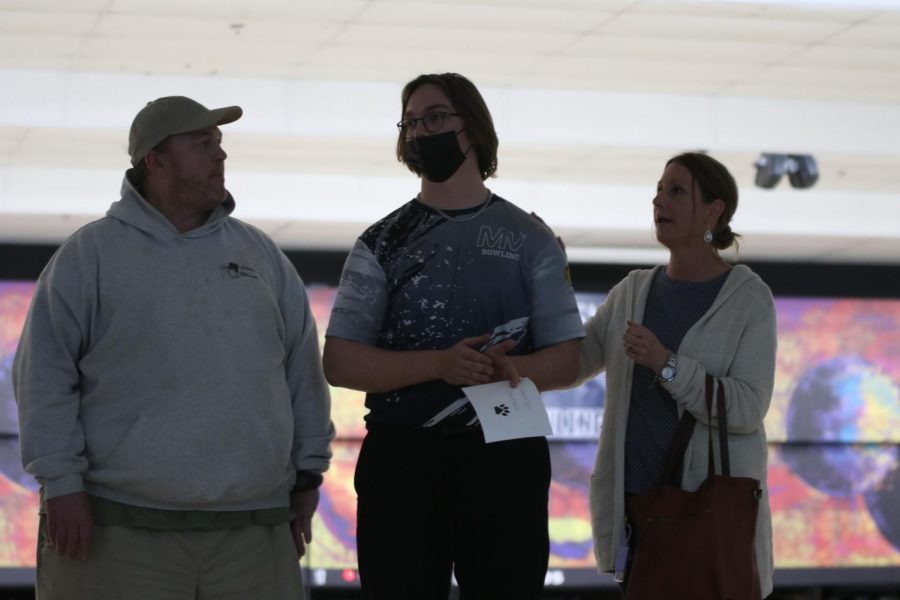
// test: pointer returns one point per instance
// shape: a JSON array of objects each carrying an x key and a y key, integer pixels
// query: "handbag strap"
[
  {"x": 686, "y": 428},
  {"x": 722, "y": 421},
  {"x": 678, "y": 448}
]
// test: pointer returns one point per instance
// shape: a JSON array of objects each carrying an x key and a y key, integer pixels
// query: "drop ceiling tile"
[
  {"x": 658, "y": 72},
  {"x": 722, "y": 10},
  {"x": 722, "y": 29},
  {"x": 868, "y": 36},
  {"x": 81, "y": 148},
  {"x": 487, "y": 16},
  {"x": 886, "y": 18},
  {"x": 680, "y": 49},
  {"x": 571, "y": 76},
  {"x": 757, "y": 10},
  {"x": 53, "y": 5},
  {"x": 226, "y": 31},
  {"x": 841, "y": 57},
  {"x": 37, "y": 48},
  {"x": 821, "y": 75},
  {"x": 182, "y": 53},
  {"x": 45, "y": 23},
  {"x": 793, "y": 89},
  {"x": 11, "y": 140},
  {"x": 160, "y": 29},
  {"x": 450, "y": 41},
  {"x": 321, "y": 10},
  {"x": 584, "y": 5},
  {"x": 394, "y": 62}
]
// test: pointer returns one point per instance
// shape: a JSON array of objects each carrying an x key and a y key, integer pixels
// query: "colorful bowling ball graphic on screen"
[
  {"x": 840, "y": 414},
  {"x": 884, "y": 505},
  {"x": 9, "y": 423},
  {"x": 10, "y": 463}
]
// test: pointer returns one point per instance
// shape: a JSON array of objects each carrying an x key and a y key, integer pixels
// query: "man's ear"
[{"x": 154, "y": 162}]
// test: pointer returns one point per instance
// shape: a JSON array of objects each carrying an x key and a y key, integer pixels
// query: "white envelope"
[{"x": 508, "y": 413}]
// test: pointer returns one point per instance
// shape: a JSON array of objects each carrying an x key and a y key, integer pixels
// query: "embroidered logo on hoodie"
[{"x": 235, "y": 270}]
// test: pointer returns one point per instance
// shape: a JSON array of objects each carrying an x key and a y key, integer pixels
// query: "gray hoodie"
[{"x": 171, "y": 370}]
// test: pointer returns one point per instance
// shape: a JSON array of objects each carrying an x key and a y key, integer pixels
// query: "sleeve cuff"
[
  {"x": 62, "y": 486},
  {"x": 306, "y": 481}
]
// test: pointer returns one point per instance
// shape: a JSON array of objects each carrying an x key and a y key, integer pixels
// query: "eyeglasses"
[{"x": 432, "y": 121}]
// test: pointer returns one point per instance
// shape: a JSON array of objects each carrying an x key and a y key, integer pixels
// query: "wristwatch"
[{"x": 667, "y": 373}]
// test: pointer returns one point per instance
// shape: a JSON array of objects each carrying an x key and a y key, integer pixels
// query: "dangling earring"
[{"x": 708, "y": 236}]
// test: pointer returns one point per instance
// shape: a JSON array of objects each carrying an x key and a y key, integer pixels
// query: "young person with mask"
[{"x": 420, "y": 293}]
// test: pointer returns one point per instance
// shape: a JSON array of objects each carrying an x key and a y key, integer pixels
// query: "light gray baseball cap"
[{"x": 172, "y": 115}]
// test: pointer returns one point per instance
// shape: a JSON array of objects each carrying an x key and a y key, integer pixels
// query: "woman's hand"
[{"x": 644, "y": 348}]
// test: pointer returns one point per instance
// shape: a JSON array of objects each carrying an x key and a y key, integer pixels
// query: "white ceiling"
[{"x": 590, "y": 98}]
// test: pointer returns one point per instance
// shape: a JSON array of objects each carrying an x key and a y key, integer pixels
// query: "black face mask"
[{"x": 437, "y": 157}]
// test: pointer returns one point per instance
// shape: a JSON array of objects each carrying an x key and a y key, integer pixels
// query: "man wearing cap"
[{"x": 171, "y": 398}]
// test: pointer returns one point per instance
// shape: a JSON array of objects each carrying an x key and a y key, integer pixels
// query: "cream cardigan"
[{"x": 735, "y": 341}]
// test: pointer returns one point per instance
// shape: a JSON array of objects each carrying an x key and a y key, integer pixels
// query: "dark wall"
[{"x": 785, "y": 278}]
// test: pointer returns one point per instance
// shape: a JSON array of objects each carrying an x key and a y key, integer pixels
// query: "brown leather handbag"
[{"x": 695, "y": 545}]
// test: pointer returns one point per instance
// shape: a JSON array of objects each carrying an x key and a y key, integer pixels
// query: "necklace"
[{"x": 467, "y": 216}]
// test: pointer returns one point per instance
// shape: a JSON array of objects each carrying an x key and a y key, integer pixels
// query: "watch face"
[{"x": 667, "y": 372}]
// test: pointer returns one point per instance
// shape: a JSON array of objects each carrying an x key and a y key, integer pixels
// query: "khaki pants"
[{"x": 142, "y": 564}]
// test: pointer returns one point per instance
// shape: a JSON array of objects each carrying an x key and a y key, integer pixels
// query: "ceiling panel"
[
  {"x": 43, "y": 23},
  {"x": 868, "y": 36},
  {"x": 793, "y": 88},
  {"x": 521, "y": 43},
  {"x": 743, "y": 29},
  {"x": 885, "y": 60},
  {"x": 286, "y": 10},
  {"x": 680, "y": 49},
  {"x": 248, "y": 33},
  {"x": 655, "y": 74},
  {"x": 397, "y": 64},
  {"x": 887, "y": 18},
  {"x": 818, "y": 75},
  {"x": 163, "y": 28},
  {"x": 590, "y": 99},
  {"x": 27, "y": 50},
  {"x": 487, "y": 17},
  {"x": 53, "y": 5}
]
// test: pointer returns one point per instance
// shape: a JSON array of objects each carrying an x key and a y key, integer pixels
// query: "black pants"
[{"x": 431, "y": 503}]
